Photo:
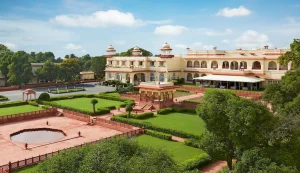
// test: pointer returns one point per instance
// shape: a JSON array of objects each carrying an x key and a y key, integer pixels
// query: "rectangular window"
[
  {"x": 131, "y": 62},
  {"x": 161, "y": 64},
  {"x": 110, "y": 62},
  {"x": 117, "y": 62},
  {"x": 140, "y": 63},
  {"x": 152, "y": 63},
  {"x": 123, "y": 62}
]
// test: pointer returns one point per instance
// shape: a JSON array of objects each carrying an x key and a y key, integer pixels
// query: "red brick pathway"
[{"x": 178, "y": 99}]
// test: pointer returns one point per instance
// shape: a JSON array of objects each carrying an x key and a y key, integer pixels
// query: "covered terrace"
[{"x": 230, "y": 82}]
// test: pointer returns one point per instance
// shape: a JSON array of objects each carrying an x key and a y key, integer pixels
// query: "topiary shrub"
[
  {"x": 44, "y": 97},
  {"x": 165, "y": 111}
]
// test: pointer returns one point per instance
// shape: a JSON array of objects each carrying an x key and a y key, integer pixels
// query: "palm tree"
[
  {"x": 129, "y": 108},
  {"x": 94, "y": 102}
]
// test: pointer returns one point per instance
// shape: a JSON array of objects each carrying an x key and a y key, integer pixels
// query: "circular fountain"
[{"x": 37, "y": 135}]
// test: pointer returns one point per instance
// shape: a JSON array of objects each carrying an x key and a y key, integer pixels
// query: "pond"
[{"x": 35, "y": 136}]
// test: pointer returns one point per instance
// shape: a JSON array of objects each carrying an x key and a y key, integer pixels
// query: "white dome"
[
  {"x": 110, "y": 49},
  {"x": 166, "y": 47},
  {"x": 136, "y": 49}
]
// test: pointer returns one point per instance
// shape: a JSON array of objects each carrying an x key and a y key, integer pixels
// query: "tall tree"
[
  {"x": 58, "y": 60},
  {"x": 129, "y": 52},
  {"x": 98, "y": 66},
  {"x": 5, "y": 60},
  {"x": 292, "y": 56},
  {"x": 69, "y": 69},
  {"x": 20, "y": 70},
  {"x": 48, "y": 71}
]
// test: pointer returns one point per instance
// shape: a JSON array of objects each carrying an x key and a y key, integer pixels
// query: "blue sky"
[{"x": 81, "y": 27}]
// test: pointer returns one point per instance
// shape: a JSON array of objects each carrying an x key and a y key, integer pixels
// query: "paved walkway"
[
  {"x": 213, "y": 167},
  {"x": 178, "y": 139},
  {"x": 178, "y": 99}
]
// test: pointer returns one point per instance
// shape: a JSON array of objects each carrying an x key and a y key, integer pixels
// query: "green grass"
[
  {"x": 85, "y": 103},
  {"x": 179, "y": 151},
  {"x": 113, "y": 94},
  {"x": 28, "y": 169},
  {"x": 18, "y": 109},
  {"x": 185, "y": 122},
  {"x": 180, "y": 94}
]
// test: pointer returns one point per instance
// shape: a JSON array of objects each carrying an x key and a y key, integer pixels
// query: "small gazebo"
[{"x": 29, "y": 92}]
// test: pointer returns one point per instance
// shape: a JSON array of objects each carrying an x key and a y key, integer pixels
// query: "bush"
[
  {"x": 191, "y": 101},
  {"x": 196, "y": 162},
  {"x": 170, "y": 110},
  {"x": 138, "y": 116},
  {"x": 46, "y": 107},
  {"x": 150, "y": 126},
  {"x": 192, "y": 142},
  {"x": 33, "y": 103},
  {"x": 2, "y": 98},
  {"x": 160, "y": 135},
  {"x": 11, "y": 104},
  {"x": 44, "y": 97}
]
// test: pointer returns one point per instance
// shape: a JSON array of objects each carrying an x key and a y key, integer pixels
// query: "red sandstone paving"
[
  {"x": 178, "y": 99},
  {"x": 14, "y": 151},
  {"x": 214, "y": 167}
]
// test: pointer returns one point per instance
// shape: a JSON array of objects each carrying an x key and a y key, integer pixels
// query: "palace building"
[{"x": 237, "y": 67}]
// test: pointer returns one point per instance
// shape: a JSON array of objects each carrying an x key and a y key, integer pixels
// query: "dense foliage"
[
  {"x": 160, "y": 135},
  {"x": 129, "y": 52},
  {"x": 165, "y": 111},
  {"x": 44, "y": 97},
  {"x": 117, "y": 155},
  {"x": 292, "y": 56},
  {"x": 3, "y": 98}
]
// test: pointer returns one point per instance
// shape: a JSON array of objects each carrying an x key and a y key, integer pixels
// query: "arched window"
[
  {"x": 225, "y": 65},
  {"x": 214, "y": 64},
  {"x": 234, "y": 65},
  {"x": 161, "y": 77},
  {"x": 203, "y": 64},
  {"x": 272, "y": 65},
  {"x": 189, "y": 64},
  {"x": 203, "y": 75},
  {"x": 118, "y": 76},
  {"x": 152, "y": 77},
  {"x": 189, "y": 77},
  {"x": 196, "y": 64},
  {"x": 256, "y": 65},
  {"x": 243, "y": 65},
  {"x": 283, "y": 67},
  {"x": 196, "y": 75}
]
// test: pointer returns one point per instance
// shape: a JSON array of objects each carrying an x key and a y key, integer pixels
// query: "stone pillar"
[{"x": 131, "y": 78}]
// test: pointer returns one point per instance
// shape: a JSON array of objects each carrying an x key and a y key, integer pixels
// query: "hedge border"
[
  {"x": 166, "y": 111},
  {"x": 196, "y": 162},
  {"x": 12, "y": 104},
  {"x": 3, "y": 98},
  {"x": 148, "y": 125},
  {"x": 142, "y": 116},
  {"x": 161, "y": 135}
]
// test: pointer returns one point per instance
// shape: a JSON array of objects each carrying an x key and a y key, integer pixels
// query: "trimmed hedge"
[
  {"x": 2, "y": 98},
  {"x": 191, "y": 101},
  {"x": 196, "y": 162},
  {"x": 170, "y": 110},
  {"x": 10, "y": 104},
  {"x": 33, "y": 103},
  {"x": 44, "y": 96},
  {"x": 150, "y": 126},
  {"x": 138, "y": 116},
  {"x": 192, "y": 142},
  {"x": 160, "y": 135},
  {"x": 184, "y": 91},
  {"x": 46, "y": 107}
]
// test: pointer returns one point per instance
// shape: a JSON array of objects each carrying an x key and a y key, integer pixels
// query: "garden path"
[{"x": 178, "y": 99}]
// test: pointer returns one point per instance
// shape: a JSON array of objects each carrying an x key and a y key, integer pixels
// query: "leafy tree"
[
  {"x": 129, "y": 109},
  {"x": 234, "y": 124},
  {"x": 69, "y": 69},
  {"x": 116, "y": 155},
  {"x": 58, "y": 60},
  {"x": 292, "y": 56},
  {"x": 285, "y": 91},
  {"x": 129, "y": 52},
  {"x": 256, "y": 161},
  {"x": 98, "y": 66},
  {"x": 48, "y": 71},
  {"x": 20, "y": 70},
  {"x": 41, "y": 57},
  {"x": 94, "y": 102},
  {"x": 5, "y": 60},
  {"x": 67, "y": 57},
  {"x": 73, "y": 56}
]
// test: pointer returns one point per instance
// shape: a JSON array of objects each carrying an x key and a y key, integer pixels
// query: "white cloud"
[
  {"x": 71, "y": 46},
  {"x": 225, "y": 41},
  {"x": 207, "y": 47},
  {"x": 120, "y": 42},
  {"x": 170, "y": 30},
  {"x": 252, "y": 39},
  {"x": 232, "y": 12},
  {"x": 10, "y": 46},
  {"x": 102, "y": 19},
  {"x": 181, "y": 46},
  {"x": 197, "y": 44},
  {"x": 213, "y": 33}
]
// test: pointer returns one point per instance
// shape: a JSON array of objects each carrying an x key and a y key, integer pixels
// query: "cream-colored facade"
[{"x": 261, "y": 63}]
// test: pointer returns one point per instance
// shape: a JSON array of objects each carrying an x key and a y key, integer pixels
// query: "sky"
[{"x": 90, "y": 26}]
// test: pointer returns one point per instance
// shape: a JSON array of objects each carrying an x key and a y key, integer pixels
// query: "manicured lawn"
[
  {"x": 179, "y": 151},
  {"x": 113, "y": 94},
  {"x": 18, "y": 109},
  {"x": 185, "y": 122},
  {"x": 85, "y": 103},
  {"x": 180, "y": 94}
]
